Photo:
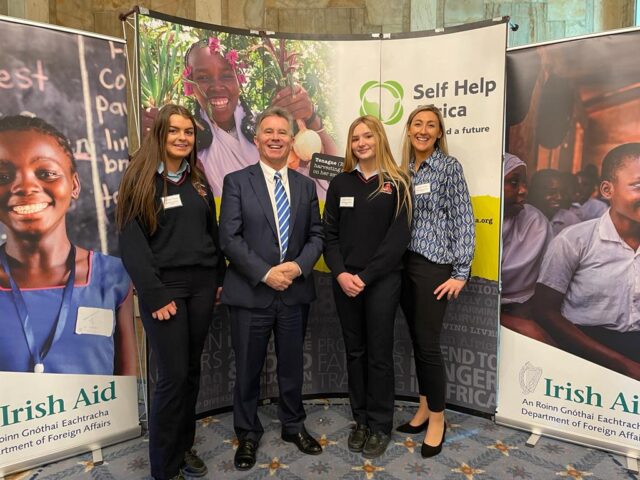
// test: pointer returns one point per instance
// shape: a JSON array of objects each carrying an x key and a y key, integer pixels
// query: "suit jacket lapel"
[
  {"x": 259, "y": 185},
  {"x": 295, "y": 190}
]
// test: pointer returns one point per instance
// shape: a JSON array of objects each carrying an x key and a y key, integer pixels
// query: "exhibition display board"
[
  {"x": 67, "y": 343},
  {"x": 67, "y": 351},
  {"x": 461, "y": 70},
  {"x": 570, "y": 370}
]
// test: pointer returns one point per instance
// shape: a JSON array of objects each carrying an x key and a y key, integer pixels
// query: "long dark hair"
[{"x": 137, "y": 192}]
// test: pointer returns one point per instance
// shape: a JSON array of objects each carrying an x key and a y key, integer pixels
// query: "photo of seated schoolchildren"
[
  {"x": 64, "y": 309},
  {"x": 587, "y": 296}
]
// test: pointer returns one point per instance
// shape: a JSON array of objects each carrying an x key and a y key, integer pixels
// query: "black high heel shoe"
[
  {"x": 411, "y": 429},
  {"x": 428, "y": 451}
]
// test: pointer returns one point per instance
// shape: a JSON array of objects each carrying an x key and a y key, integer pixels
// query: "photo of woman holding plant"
[{"x": 224, "y": 79}]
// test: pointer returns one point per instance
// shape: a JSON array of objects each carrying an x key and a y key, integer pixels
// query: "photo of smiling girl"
[
  {"x": 213, "y": 76},
  {"x": 227, "y": 144},
  {"x": 65, "y": 309}
]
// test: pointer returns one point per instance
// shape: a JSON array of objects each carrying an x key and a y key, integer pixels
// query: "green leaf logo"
[{"x": 374, "y": 94}]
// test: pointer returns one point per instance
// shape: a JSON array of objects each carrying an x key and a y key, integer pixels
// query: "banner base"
[
  {"x": 95, "y": 448},
  {"x": 632, "y": 464},
  {"x": 562, "y": 435},
  {"x": 97, "y": 456},
  {"x": 532, "y": 440}
]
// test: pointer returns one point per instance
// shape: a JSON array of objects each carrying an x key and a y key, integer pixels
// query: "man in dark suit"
[{"x": 270, "y": 231}]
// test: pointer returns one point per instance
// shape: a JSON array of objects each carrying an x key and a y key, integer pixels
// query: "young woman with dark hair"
[{"x": 169, "y": 243}]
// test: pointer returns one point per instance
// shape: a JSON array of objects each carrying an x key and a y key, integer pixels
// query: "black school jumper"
[
  {"x": 367, "y": 239},
  {"x": 180, "y": 261}
]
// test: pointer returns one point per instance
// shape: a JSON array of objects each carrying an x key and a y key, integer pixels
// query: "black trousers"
[
  {"x": 425, "y": 315},
  {"x": 250, "y": 332},
  {"x": 178, "y": 344},
  {"x": 367, "y": 326}
]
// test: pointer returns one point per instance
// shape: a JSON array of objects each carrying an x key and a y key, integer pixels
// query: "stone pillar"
[
  {"x": 424, "y": 15},
  {"x": 36, "y": 10},
  {"x": 209, "y": 11}
]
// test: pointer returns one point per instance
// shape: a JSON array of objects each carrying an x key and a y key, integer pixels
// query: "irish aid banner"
[
  {"x": 67, "y": 342},
  {"x": 570, "y": 318},
  {"x": 571, "y": 399}
]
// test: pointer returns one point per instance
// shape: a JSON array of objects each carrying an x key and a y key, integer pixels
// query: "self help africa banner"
[
  {"x": 67, "y": 342},
  {"x": 570, "y": 362},
  {"x": 336, "y": 80}
]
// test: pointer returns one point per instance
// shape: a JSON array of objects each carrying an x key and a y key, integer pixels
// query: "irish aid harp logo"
[
  {"x": 529, "y": 377},
  {"x": 382, "y": 100}
]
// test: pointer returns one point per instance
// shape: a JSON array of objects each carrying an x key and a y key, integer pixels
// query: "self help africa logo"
[{"x": 374, "y": 95}]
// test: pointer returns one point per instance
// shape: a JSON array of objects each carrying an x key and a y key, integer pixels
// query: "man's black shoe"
[
  {"x": 245, "y": 457},
  {"x": 357, "y": 438},
  {"x": 305, "y": 442},
  {"x": 376, "y": 445},
  {"x": 192, "y": 465}
]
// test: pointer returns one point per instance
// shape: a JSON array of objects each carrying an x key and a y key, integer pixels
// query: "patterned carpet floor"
[{"x": 475, "y": 449}]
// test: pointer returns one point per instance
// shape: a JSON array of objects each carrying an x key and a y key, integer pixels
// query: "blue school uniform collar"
[{"x": 175, "y": 177}]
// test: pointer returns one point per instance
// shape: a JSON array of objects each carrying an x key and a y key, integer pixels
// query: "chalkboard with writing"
[{"x": 77, "y": 84}]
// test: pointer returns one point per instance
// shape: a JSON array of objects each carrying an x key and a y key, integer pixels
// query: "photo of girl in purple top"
[{"x": 214, "y": 75}]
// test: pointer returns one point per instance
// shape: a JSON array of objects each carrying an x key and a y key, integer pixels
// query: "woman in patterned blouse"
[{"x": 437, "y": 262}]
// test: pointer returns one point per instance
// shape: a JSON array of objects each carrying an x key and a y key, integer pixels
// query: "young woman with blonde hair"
[
  {"x": 437, "y": 263},
  {"x": 367, "y": 217}
]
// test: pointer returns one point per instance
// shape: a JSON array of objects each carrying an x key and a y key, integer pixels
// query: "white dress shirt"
[
  {"x": 598, "y": 273},
  {"x": 269, "y": 174}
]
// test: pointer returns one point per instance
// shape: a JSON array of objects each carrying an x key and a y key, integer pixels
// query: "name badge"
[
  {"x": 346, "y": 202},
  {"x": 171, "y": 201},
  {"x": 94, "y": 321},
  {"x": 422, "y": 188}
]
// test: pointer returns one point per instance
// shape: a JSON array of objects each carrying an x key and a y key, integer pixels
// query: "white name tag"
[
  {"x": 94, "y": 321},
  {"x": 422, "y": 188},
  {"x": 346, "y": 202},
  {"x": 172, "y": 201}
]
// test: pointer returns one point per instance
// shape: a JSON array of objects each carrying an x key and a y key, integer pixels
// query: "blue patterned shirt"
[{"x": 443, "y": 227}]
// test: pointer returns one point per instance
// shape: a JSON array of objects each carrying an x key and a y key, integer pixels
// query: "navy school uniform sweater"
[
  {"x": 367, "y": 238},
  {"x": 186, "y": 236}
]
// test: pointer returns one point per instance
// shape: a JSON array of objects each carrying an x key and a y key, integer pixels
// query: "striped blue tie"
[{"x": 284, "y": 212}]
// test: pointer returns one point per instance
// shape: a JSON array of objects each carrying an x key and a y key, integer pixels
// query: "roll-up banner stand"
[
  {"x": 461, "y": 70},
  {"x": 67, "y": 342},
  {"x": 569, "y": 355}
]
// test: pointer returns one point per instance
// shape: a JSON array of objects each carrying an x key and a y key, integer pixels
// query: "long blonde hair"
[
  {"x": 136, "y": 195},
  {"x": 388, "y": 169},
  {"x": 407, "y": 149}
]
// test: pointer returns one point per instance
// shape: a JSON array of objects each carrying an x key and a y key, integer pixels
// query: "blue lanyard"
[{"x": 38, "y": 354}]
